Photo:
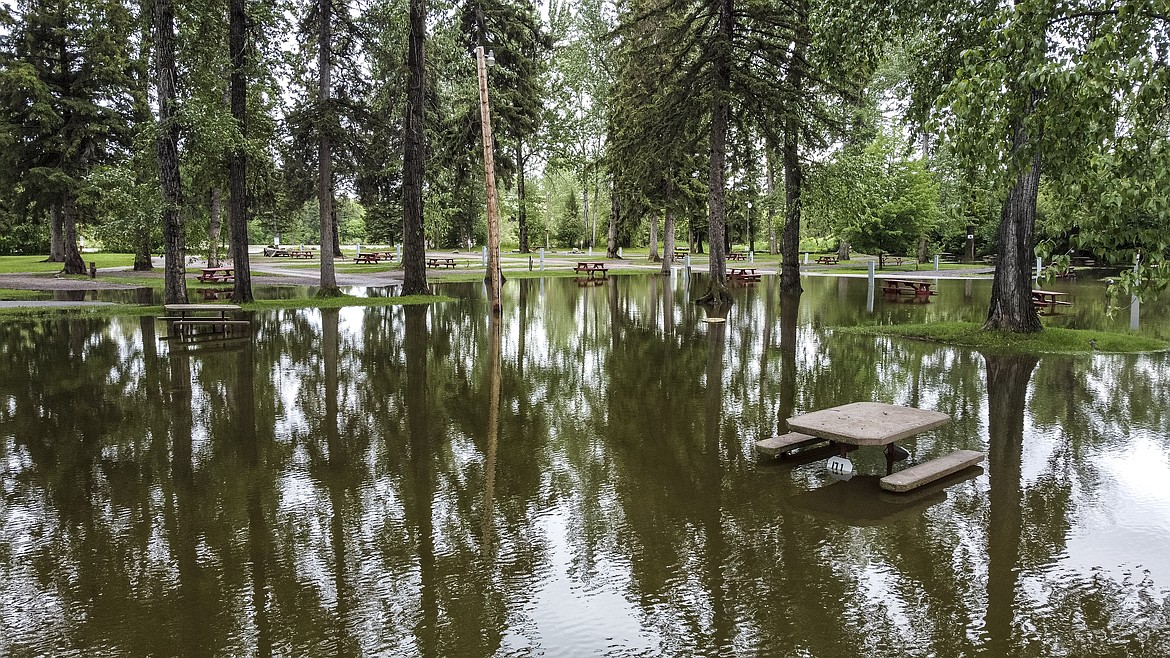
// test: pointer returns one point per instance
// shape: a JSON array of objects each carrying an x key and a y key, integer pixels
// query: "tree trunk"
[
  {"x": 611, "y": 235},
  {"x": 237, "y": 159},
  {"x": 175, "y": 287},
  {"x": 328, "y": 284},
  {"x": 593, "y": 209},
  {"x": 213, "y": 228},
  {"x": 1011, "y": 307},
  {"x": 73, "y": 262},
  {"x": 717, "y": 293},
  {"x": 653, "y": 256},
  {"x": 521, "y": 210},
  {"x": 922, "y": 244},
  {"x": 588, "y": 229},
  {"x": 336, "y": 223},
  {"x": 843, "y": 250},
  {"x": 414, "y": 270},
  {"x": 793, "y": 173},
  {"x": 143, "y": 250},
  {"x": 56, "y": 234},
  {"x": 667, "y": 241},
  {"x": 773, "y": 247}
]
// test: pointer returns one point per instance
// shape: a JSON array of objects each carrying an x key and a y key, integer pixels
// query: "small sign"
[{"x": 840, "y": 467}]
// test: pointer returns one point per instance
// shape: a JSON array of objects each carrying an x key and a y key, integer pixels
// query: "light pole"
[{"x": 489, "y": 178}]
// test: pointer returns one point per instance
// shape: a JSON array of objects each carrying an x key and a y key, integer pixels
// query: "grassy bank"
[{"x": 1052, "y": 340}]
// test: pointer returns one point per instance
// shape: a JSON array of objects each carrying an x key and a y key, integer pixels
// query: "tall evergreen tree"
[
  {"x": 414, "y": 280},
  {"x": 65, "y": 100}
]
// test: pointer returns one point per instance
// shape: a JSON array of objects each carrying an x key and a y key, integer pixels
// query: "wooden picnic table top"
[
  {"x": 741, "y": 269},
  {"x": 868, "y": 423},
  {"x": 590, "y": 263},
  {"x": 208, "y": 270},
  {"x": 201, "y": 307},
  {"x": 1048, "y": 293},
  {"x": 909, "y": 282}
]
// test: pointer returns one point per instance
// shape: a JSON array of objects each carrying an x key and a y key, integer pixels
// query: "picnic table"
[
  {"x": 374, "y": 257},
  {"x": 867, "y": 424},
  {"x": 1048, "y": 299},
  {"x": 745, "y": 274},
  {"x": 217, "y": 275},
  {"x": 190, "y": 315},
  {"x": 827, "y": 260},
  {"x": 908, "y": 287},
  {"x": 680, "y": 254},
  {"x": 737, "y": 255},
  {"x": 591, "y": 268},
  {"x": 441, "y": 261},
  {"x": 898, "y": 260}
]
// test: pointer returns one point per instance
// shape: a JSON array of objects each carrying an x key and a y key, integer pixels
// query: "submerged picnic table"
[
  {"x": 907, "y": 287},
  {"x": 868, "y": 424},
  {"x": 1048, "y": 298},
  {"x": 187, "y": 316}
]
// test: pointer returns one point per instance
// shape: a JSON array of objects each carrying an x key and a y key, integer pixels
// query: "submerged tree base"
[
  {"x": 329, "y": 293},
  {"x": 717, "y": 296},
  {"x": 1052, "y": 340}
]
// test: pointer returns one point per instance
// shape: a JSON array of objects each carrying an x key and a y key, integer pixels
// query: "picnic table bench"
[
  {"x": 827, "y": 260},
  {"x": 441, "y": 261},
  {"x": 217, "y": 275},
  {"x": 745, "y": 274},
  {"x": 929, "y": 471},
  {"x": 907, "y": 287},
  {"x": 592, "y": 268}
]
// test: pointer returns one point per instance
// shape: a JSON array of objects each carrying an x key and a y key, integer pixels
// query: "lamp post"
[{"x": 489, "y": 166}]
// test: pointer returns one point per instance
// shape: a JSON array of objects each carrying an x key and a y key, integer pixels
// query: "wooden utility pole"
[{"x": 489, "y": 178}]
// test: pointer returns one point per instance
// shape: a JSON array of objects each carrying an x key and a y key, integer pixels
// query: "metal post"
[
  {"x": 398, "y": 249},
  {"x": 806, "y": 258},
  {"x": 489, "y": 165},
  {"x": 1039, "y": 266},
  {"x": 687, "y": 263},
  {"x": 936, "y": 262},
  {"x": 358, "y": 247},
  {"x": 484, "y": 256},
  {"x": 542, "y": 259},
  {"x": 752, "y": 256}
]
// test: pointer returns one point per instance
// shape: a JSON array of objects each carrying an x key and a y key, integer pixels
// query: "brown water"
[{"x": 336, "y": 486}]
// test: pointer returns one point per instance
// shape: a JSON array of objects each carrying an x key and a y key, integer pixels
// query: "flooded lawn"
[{"x": 337, "y": 486}]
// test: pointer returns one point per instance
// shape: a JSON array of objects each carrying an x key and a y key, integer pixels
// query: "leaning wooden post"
[{"x": 489, "y": 165}]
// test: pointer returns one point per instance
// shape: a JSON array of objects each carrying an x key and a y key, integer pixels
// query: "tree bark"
[
  {"x": 521, "y": 210},
  {"x": 717, "y": 293},
  {"x": 793, "y": 172},
  {"x": 588, "y": 229},
  {"x": 1011, "y": 307},
  {"x": 611, "y": 235},
  {"x": 335, "y": 221},
  {"x": 773, "y": 247},
  {"x": 328, "y": 282},
  {"x": 237, "y": 159},
  {"x": 175, "y": 286},
  {"x": 56, "y": 234},
  {"x": 667, "y": 241},
  {"x": 73, "y": 262},
  {"x": 653, "y": 257},
  {"x": 414, "y": 271},
  {"x": 214, "y": 225}
]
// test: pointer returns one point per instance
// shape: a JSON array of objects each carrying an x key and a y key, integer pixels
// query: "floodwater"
[{"x": 575, "y": 480}]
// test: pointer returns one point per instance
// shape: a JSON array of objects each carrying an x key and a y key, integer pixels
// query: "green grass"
[
  {"x": 1052, "y": 340},
  {"x": 36, "y": 264},
  {"x": 10, "y": 295}
]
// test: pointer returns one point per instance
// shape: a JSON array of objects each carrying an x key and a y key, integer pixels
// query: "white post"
[
  {"x": 806, "y": 258},
  {"x": 542, "y": 259},
  {"x": 484, "y": 256},
  {"x": 751, "y": 257},
  {"x": 398, "y": 250},
  {"x": 936, "y": 262},
  {"x": 869, "y": 295},
  {"x": 687, "y": 263},
  {"x": 358, "y": 248}
]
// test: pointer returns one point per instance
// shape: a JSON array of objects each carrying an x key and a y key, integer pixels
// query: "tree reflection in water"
[{"x": 341, "y": 485}]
